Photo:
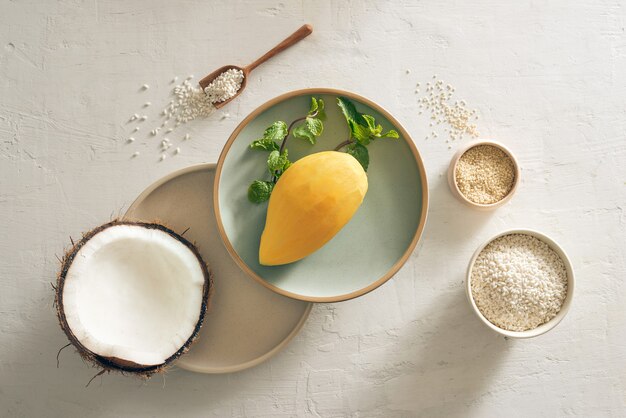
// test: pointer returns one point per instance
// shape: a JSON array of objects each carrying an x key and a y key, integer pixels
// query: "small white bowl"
[
  {"x": 455, "y": 188},
  {"x": 543, "y": 328}
]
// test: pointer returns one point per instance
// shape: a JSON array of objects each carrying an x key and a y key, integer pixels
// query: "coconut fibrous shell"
[{"x": 143, "y": 230}]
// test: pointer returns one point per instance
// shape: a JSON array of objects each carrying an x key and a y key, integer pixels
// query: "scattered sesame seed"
[
  {"x": 145, "y": 87},
  {"x": 131, "y": 139},
  {"x": 146, "y": 104},
  {"x": 144, "y": 117},
  {"x": 438, "y": 100},
  {"x": 187, "y": 136},
  {"x": 163, "y": 156},
  {"x": 136, "y": 129},
  {"x": 177, "y": 150},
  {"x": 135, "y": 154}
]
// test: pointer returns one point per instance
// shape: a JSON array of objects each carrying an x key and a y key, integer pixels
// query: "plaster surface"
[{"x": 548, "y": 79}]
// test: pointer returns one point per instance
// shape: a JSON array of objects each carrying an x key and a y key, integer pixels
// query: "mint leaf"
[
  {"x": 315, "y": 126},
  {"x": 273, "y": 162},
  {"x": 310, "y": 129},
  {"x": 264, "y": 144},
  {"x": 276, "y": 132},
  {"x": 260, "y": 191},
  {"x": 303, "y": 132},
  {"x": 359, "y": 132},
  {"x": 277, "y": 163},
  {"x": 321, "y": 113},
  {"x": 314, "y": 106},
  {"x": 371, "y": 123},
  {"x": 361, "y": 154},
  {"x": 390, "y": 134},
  {"x": 349, "y": 111}
]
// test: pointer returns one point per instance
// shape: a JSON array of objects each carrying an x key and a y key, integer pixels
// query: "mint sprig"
[
  {"x": 363, "y": 130},
  {"x": 312, "y": 126},
  {"x": 274, "y": 141}
]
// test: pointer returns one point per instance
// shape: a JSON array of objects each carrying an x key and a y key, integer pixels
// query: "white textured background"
[{"x": 549, "y": 80}]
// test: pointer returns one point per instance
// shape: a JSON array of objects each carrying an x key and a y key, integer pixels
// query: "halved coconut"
[{"x": 132, "y": 296}]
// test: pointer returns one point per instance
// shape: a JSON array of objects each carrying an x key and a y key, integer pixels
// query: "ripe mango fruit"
[{"x": 310, "y": 203}]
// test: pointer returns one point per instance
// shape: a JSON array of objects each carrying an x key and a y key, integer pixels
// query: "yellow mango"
[{"x": 310, "y": 203}]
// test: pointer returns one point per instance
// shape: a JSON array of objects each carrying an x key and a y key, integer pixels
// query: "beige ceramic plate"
[{"x": 246, "y": 323}]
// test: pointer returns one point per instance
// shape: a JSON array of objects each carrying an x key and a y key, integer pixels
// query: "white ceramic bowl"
[
  {"x": 541, "y": 329},
  {"x": 455, "y": 188}
]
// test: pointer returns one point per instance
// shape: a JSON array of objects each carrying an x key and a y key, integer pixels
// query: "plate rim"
[
  {"x": 405, "y": 136},
  {"x": 242, "y": 366}
]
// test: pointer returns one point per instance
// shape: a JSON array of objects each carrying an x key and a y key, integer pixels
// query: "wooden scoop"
[{"x": 298, "y": 35}]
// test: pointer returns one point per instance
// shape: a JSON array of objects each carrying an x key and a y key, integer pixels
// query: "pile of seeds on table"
[
  {"x": 188, "y": 102},
  {"x": 442, "y": 108},
  {"x": 518, "y": 282},
  {"x": 485, "y": 174}
]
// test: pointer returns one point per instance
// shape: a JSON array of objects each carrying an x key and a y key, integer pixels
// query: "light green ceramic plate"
[{"x": 376, "y": 242}]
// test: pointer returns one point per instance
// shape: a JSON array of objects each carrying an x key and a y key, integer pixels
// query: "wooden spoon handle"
[{"x": 298, "y": 35}]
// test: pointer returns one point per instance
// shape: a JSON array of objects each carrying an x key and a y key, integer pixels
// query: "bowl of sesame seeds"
[
  {"x": 520, "y": 283},
  {"x": 483, "y": 174}
]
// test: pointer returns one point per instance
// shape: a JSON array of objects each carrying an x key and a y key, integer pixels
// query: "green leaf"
[
  {"x": 361, "y": 154},
  {"x": 321, "y": 113},
  {"x": 302, "y": 131},
  {"x": 359, "y": 132},
  {"x": 390, "y": 134},
  {"x": 315, "y": 126},
  {"x": 260, "y": 191},
  {"x": 273, "y": 162},
  {"x": 314, "y": 106},
  {"x": 371, "y": 123},
  {"x": 278, "y": 163},
  {"x": 264, "y": 144},
  {"x": 349, "y": 111},
  {"x": 276, "y": 132}
]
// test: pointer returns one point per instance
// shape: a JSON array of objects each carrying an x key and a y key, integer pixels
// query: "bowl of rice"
[{"x": 520, "y": 283}]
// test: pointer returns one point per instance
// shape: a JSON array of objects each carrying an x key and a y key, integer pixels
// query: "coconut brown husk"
[{"x": 109, "y": 364}]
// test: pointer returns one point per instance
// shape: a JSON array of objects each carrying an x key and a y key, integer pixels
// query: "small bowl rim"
[
  {"x": 452, "y": 174},
  {"x": 543, "y": 328}
]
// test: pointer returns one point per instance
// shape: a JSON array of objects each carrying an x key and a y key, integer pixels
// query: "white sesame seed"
[
  {"x": 145, "y": 87},
  {"x": 135, "y": 154},
  {"x": 131, "y": 139},
  {"x": 178, "y": 150},
  {"x": 163, "y": 157}
]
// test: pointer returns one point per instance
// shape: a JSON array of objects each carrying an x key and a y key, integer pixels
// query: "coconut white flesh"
[{"x": 133, "y": 293}]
